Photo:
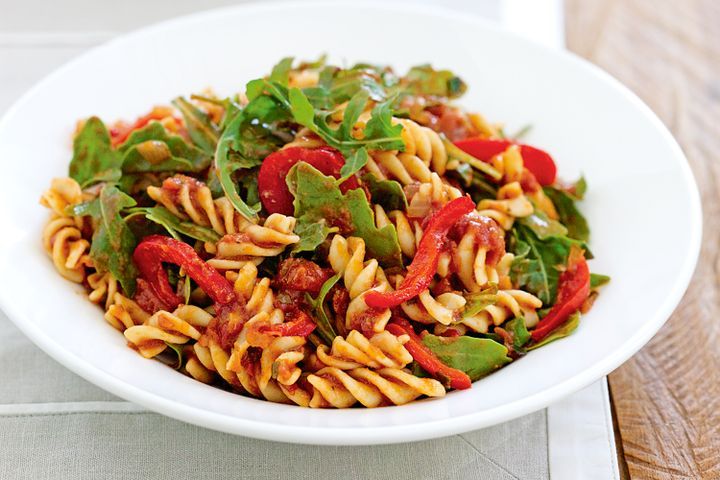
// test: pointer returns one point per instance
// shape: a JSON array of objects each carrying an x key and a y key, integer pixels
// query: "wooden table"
[{"x": 667, "y": 397}]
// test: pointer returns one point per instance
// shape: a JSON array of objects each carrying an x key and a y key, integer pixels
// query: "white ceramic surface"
[{"x": 642, "y": 205}]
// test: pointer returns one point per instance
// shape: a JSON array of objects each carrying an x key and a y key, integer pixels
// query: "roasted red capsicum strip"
[
  {"x": 274, "y": 193},
  {"x": 539, "y": 162},
  {"x": 426, "y": 358},
  {"x": 424, "y": 264},
  {"x": 149, "y": 256},
  {"x": 573, "y": 290},
  {"x": 300, "y": 327}
]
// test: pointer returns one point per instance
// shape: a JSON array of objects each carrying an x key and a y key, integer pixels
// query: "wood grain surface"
[{"x": 667, "y": 397}]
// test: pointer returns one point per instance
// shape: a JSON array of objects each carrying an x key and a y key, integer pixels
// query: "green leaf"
[
  {"x": 113, "y": 242},
  {"x": 478, "y": 301},
  {"x": 543, "y": 226},
  {"x": 200, "y": 128},
  {"x": 154, "y": 149},
  {"x": 177, "y": 364},
  {"x": 537, "y": 263},
  {"x": 353, "y": 164},
  {"x": 94, "y": 160},
  {"x": 318, "y": 197},
  {"x": 324, "y": 325},
  {"x": 474, "y": 182},
  {"x": 380, "y": 131},
  {"x": 354, "y": 108},
  {"x": 578, "y": 189},
  {"x": 302, "y": 110},
  {"x": 519, "y": 332},
  {"x": 477, "y": 357},
  {"x": 425, "y": 80},
  {"x": 311, "y": 234},
  {"x": 562, "y": 331},
  {"x": 281, "y": 72},
  {"x": 387, "y": 193},
  {"x": 174, "y": 225},
  {"x": 90, "y": 208},
  {"x": 187, "y": 289},
  {"x": 379, "y": 134},
  {"x": 570, "y": 216},
  {"x": 226, "y": 164},
  {"x": 598, "y": 280}
]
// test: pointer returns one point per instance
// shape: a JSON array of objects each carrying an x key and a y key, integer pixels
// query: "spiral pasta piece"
[
  {"x": 67, "y": 247},
  {"x": 124, "y": 313},
  {"x": 63, "y": 192},
  {"x": 408, "y": 231},
  {"x": 151, "y": 338},
  {"x": 446, "y": 308},
  {"x": 347, "y": 256},
  {"x": 62, "y": 236},
  {"x": 190, "y": 199},
  {"x": 511, "y": 203},
  {"x": 334, "y": 388},
  {"x": 512, "y": 167},
  {"x": 104, "y": 286},
  {"x": 510, "y": 304},
  {"x": 355, "y": 350},
  {"x": 267, "y": 240},
  {"x": 431, "y": 196},
  {"x": 424, "y": 154}
]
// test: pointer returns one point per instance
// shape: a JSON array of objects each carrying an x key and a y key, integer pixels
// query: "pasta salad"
[{"x": 331, "y": 237}]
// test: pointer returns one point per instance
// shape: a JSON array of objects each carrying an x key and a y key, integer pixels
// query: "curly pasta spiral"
[
  {"x": 63, "y": 192},
  {"x": 67, "y": 247},
  {"x": 190, "y": 199},
  {"x": 431, "y": 195},
  {"x": 124, "y": 313},
  {"x": 335, "y": 388},
  {"x": 469, "y": 259},
  {"x": 178, "y": 327},
  {"x": 256, "y": 363},
  {"x": 268, "y": 240},
  {"x": 104, "y": 286},
  {"x": 409, "y": 231},
  {"x": 347, "y": 257},
  {"x": 445, "y": 308},
  {"x": 510, "y": 304},
  {"x": 62, "y": 236},
  {"x": 511, "y": 203},
  {"x": 381, "y": 350},
  {"x": 424, "y": 153}
]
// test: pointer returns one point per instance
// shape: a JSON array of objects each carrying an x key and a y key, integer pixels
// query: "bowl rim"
[{"x": 398, "y": 433}]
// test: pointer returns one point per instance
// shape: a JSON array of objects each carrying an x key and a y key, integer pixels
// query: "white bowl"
[{"x": 642, "y": 205}]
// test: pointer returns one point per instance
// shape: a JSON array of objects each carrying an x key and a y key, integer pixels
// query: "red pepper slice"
[
  {"x": 573, "y": 289},
  {"x": 425, "y": 357},
  {"x": 274, "y": 192},
  {"x": 149, "y": 256},
  {"x": 300, "y": 327},
  {"x": 539, "y": 162},
  {"x": 424, "y": 265}
]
